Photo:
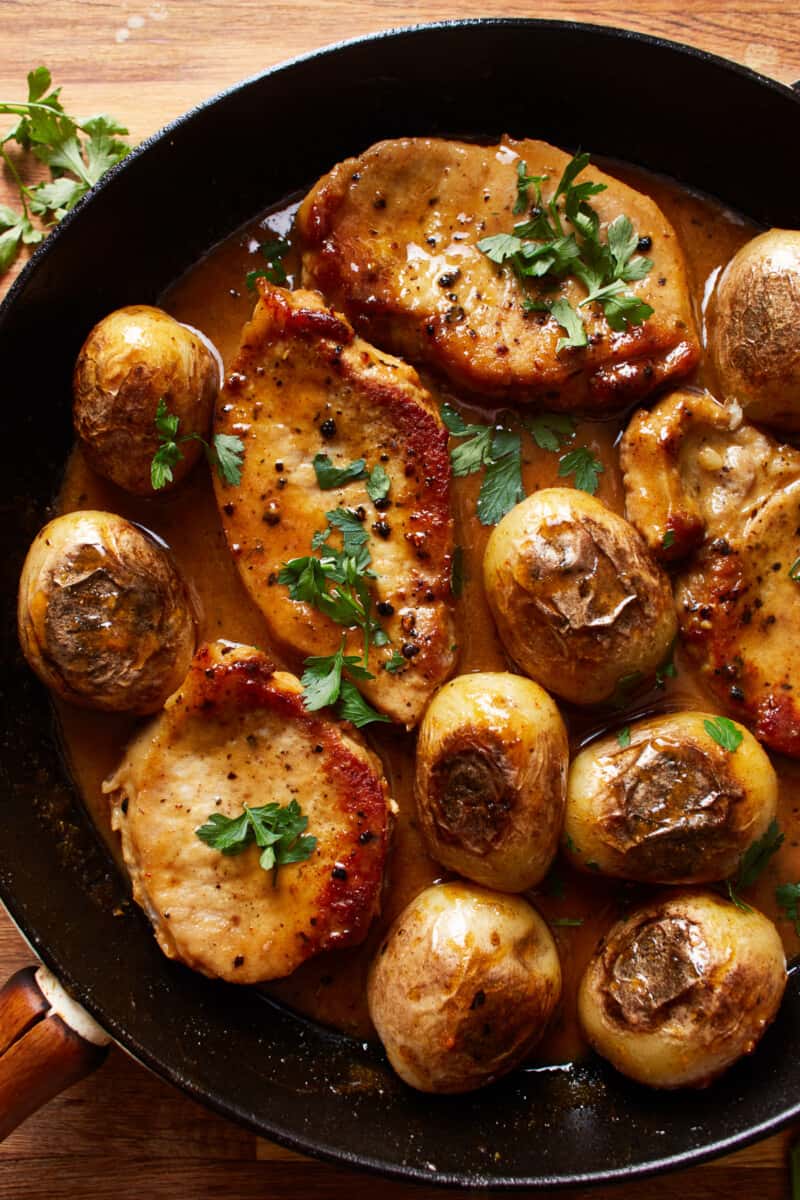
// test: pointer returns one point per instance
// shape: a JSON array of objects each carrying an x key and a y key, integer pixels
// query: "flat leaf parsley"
[
  {"x": 225, "y": 452},
  {"x": 77, "y": 151},
  {"x": 561, "y": 238},
  {"x": 277, "y": 829},
  {"x": 753, "y": 862}
]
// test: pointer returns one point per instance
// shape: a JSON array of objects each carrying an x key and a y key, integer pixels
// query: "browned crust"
[{"x": 348, "y": 901}]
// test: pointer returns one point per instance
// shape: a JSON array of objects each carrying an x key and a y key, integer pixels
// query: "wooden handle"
[{"x": 47, "y": 1043}]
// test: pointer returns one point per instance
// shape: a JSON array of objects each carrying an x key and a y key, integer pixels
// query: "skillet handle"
[{"x": 47, "y": 1043}]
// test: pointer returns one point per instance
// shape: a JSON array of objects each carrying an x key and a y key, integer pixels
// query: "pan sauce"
[{"x": 331, "y": 988}]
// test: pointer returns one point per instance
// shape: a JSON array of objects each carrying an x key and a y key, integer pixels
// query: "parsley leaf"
[
  {"x": 624, "y": 737},
  {"x": 753, "y": 862},
  {"x": 794, "y": 571},
  {"x": 329, "y": 476},
  {"x": 353, "y": 707},
  {"x": 277, "y": 829},
  {"x": 570, "y": 321},
  {"x": 584, "y": 466},
  {"x": 668, "y": 539},
  {"x": 666, "y": 671},
  {"x": 78, "y": 153},
  {"x": 274, "y": 252},
  {"x": 550, "y": 430},
  {"x": 502, "y": 484},
  {"x": 225, "y": 451},
  {"x": 542, "y": 247},
  {"x": 788, "y": 896},
  {"x": 724, "y": 733},
  {"x": 568, "y": 922},
  {"x": 378, "y": 483},
  {"x": 395, "y": 663}
]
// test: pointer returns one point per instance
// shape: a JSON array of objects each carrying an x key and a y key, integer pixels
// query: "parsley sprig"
[
  {"x": 753, "y": 862},
  {"x": 724, "y": 732},
  {"x": 77, "y": 152},
  {"x": 498, "y": 449},
  {"x": 225, "y": 451},
  {"x": 336, "y": 581},
  {"x": 561, "y": 237},
  {"x": 277, "y": 829}
]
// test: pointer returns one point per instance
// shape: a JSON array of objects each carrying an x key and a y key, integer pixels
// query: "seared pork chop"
[
  {"x": 701, "y": 482},
  {"x": 390, "y": 238},
  {"x": 303, "y": 385},
  {"x": 237, "y": 733}
]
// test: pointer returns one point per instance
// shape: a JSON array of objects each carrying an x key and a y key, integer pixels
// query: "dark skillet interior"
[{"x": 709, "y": 124}]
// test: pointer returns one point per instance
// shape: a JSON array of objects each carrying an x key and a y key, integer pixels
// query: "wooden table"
[{"x": 123, "y": 1134}]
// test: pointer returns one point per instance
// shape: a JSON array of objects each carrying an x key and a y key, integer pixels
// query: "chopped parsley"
[
  {"x": 584, "y": 466},
  {"x": 378, "y": 484},
  {"x": 329, "y": 476},
  {"x": 561, "y": 238},
  {"x": 788, "y": 897},
  {"x": 277, "y": 829},
  {"x": 724, "y": 733},
  {"x": 568, "y": 922},
  {"x": 498, "y": 450},
  {"x": 794, "y": 571},
  {"x": 324, "y": 684},
  {"x": 274, "y": 252},
  {"x": 624, "y": 737},
  {"x": 669, "y": 540},
  {"x": 753, "y": 862},
  {"x": 225, "y": 452}
]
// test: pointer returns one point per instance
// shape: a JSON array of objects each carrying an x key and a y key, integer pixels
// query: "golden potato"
[
  {"x": 578, "y": 601},
  {"x": 463, "y": 987},
  {"x": 673, "y": 806},
  {"x": 104, "y": 617},
  {"x": 491, "y": 779},
  {"x": 755, "y": 329},
  {"x": 682, "y": 988},
  {"x": 130, "y": 360}
]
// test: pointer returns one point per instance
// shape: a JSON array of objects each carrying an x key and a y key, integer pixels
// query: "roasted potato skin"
[
  {"x": 491, "y": 779},
  {"x": 682, "y": 988},
  {"x": 130, "y": 360},
  {"x": 462, "y": 987},
  {"x": 104, "y": 617},
  {"x": 755, "y": 329},
  {"x": 671, "y": 807},
  {"x": 578, "y": 601}
]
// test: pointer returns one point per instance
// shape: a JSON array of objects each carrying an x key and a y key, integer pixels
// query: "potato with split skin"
[
  {"x": 755, "y": 329},
  {"x": 670, "y": 805},
  {"x": 103, "y": 614},
  {"x": 131, "y": 360},
  {"x": 579, "y": 603},
  {"x": 682, "y": 988},
  {"x": 491, "y": 771},
  {"x": 463, "y": 987}
]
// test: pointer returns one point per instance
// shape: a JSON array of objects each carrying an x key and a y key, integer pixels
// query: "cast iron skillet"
[{"x": 707, "y": 123}]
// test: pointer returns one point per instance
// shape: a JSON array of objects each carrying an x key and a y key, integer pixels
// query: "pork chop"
[
  {"x": 236, "y": 733},
  {"x": 704, "y": 486},
  {"x": 391, "y": 238},
  {"x": 303, "y": 385}
]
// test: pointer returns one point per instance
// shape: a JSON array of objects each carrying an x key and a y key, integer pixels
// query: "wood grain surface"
[{"x": 122, "y": 1133}]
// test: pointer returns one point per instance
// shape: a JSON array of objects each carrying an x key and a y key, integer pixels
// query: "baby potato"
[
  {"x": 682, "y": 988},
  {"x": 491, "y": 779},
  {"x": 578, "y": 601},
  {"x": 673, "y": 806},
  {"x": 755, "y": 329},
  {"x": 462, "y": 987},
  {"x": 103, "y": 615},
  {"x": 132, "y": 359}
]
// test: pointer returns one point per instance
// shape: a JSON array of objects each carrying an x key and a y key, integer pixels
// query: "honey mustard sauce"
[{"x": 214, "y": 298}]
